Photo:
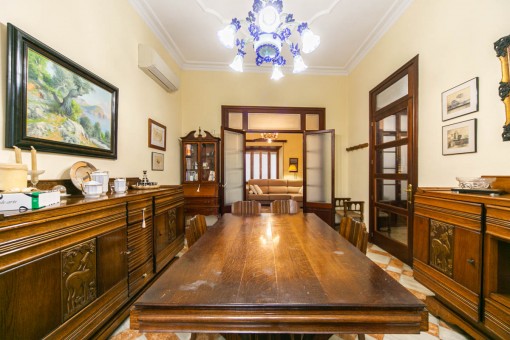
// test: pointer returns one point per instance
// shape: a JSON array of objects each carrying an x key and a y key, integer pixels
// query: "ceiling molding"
[
  {"x": 212, "y": 12},
  {"x": 388, "y": 20},
  {"x": 324, "y": 12},
  {"x": 156, "y": 27}
]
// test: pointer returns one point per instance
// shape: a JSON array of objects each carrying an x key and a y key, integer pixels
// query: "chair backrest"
[
  {"x": 201, "y": 224},
  {"x": 197, "y": 227},
  {"x": 355, "y": 232},
  {"x": 339, "y": 202},
  {"x": 246, "y": 208},
  {"x": 345, "y": 227},
  {"x": 354, "y": 209},
  {"x": 284, "y": 207}
]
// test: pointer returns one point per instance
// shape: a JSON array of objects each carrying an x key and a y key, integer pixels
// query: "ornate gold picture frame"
[{"x": 502, "y": 47}]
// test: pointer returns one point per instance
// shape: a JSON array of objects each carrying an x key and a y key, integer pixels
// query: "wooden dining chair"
[
  {"x": 197, "y": 227},
  {"x": 354, "y": 209},
  {"x": 284, "y": 207},
  {"x": 355, "y": 232},
  {"x": 339, "y": 209},
  {"x": 245, "y": 208}
]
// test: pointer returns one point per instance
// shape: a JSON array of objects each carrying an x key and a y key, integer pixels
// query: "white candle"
[
  {"x": 34, "y": 158},
  {"x": 17, "y": 154}
]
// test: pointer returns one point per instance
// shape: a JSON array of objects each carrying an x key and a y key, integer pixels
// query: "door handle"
[{"x": 409, "y": 193}]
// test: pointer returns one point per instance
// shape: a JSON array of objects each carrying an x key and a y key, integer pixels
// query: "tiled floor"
[{"x": 398, "y": 270}]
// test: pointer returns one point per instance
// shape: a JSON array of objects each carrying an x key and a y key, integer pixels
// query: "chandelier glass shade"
[{"x": 268, "y": 28}]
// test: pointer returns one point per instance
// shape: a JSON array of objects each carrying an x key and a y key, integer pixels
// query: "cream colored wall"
[
  {"x": 205, "y": 92},
  {"x": 103, "y": 37},
  {"x": 454, "y": 40}
]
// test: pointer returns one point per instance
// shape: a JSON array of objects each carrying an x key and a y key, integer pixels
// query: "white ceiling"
[{"x": 348, "y": 30}]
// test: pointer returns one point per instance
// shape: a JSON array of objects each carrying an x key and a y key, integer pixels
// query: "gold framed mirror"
[{"x": 502, "y": 47}]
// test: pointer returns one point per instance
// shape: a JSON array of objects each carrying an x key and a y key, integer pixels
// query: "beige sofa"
[{"x": 275, "y": 189}]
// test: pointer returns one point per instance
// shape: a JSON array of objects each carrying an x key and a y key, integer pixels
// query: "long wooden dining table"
[{"x": 276, "y": 274}]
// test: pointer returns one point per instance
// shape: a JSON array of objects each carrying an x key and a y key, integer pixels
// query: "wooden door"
[
  {"x": 319, "y": 174},
  {"x": 232, "y": 172},
  {"x": 393, "y": 160}
]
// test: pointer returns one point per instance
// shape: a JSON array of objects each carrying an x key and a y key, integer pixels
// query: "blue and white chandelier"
[{"x": 268, "y": 29}]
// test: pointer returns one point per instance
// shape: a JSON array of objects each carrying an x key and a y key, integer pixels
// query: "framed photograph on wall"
[
  {"x": 56, "y": 105},
  {"x": 460, "y": 100},
  {"x": 158, "y": 161},
  {"x": 157, "y": 135},
  {"x": 459, "y": 138}
]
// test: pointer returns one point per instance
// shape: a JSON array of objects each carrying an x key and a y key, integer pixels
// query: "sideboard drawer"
[{"x": 139, "y": 277}]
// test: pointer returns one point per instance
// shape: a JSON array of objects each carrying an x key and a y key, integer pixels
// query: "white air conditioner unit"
[{"x": 154, "y": 66}]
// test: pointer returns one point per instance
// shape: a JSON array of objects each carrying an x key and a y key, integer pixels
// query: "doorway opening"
[{"x": 243, "y": 123}]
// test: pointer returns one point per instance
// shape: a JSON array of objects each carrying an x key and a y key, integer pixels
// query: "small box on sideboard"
[{"x": 28, "y": 201}]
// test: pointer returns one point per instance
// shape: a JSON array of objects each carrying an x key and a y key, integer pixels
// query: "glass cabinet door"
[
  {"x": 208, "y": 162},
  {"x": 191, "y": 172}
]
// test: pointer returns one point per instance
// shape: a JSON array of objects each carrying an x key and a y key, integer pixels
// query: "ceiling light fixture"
[
  {"x": 268, "y": 28},
  {"x": 269, "y": 136}
]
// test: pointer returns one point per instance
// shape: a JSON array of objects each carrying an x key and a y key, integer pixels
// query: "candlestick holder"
[{"x": 34, "y": 177}]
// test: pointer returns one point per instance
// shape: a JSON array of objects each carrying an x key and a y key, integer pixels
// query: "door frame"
[{"x": 411, "y": 69}]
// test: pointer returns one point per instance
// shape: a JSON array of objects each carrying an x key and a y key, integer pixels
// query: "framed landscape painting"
[
  {"x": 55, "y": 104},
  {"x": 459, "y": 138},
  {"x": 460, "y": 100}
]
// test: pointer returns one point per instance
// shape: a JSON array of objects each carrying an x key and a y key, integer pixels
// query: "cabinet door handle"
[
  {"x": 471, "y": 261},
  {"x": 143, "y": 218},
  {"x": 144, "y": 275},
  {"x": 127, "y": 252}
]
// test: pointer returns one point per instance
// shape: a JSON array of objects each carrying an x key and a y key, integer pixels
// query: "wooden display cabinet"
[
  {"x": 461, "y": 249},
  {"x": 200, "y": 173}
]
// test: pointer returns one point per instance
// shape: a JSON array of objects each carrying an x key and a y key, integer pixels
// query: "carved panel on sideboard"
[
  {"x": 79, "y": 285},
  {"x": 441, "y": 246}
]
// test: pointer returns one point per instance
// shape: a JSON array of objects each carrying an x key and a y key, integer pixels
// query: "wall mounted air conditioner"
[{"x": 154, "y": 66}]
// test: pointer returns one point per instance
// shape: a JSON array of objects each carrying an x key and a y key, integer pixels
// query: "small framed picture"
[
  {"x": 459, "y": 138},
  {"x": 460, "y": 100},
  {"x": 157, "y": 135},
  {"x": 158, "y": 161}
]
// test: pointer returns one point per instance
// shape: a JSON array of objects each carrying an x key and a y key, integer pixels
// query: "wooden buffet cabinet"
[
  {"x": 461, "y": 252},
  {"x": 200, "y": 173},
  {"x": 73, "y": 270}
]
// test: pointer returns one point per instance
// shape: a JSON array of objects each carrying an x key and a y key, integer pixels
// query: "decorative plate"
[{"x": 80, "y": 173}]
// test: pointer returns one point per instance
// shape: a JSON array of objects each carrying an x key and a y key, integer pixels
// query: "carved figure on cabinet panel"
[
  {"x": 79, "y": 277},
  {"x": 441, "y": 246},
  {"x": 172, "y": 224}
]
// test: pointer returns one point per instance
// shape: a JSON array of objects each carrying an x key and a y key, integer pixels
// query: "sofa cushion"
[
  {"x": 277, "y": 189},
  {"x": 255, "y": 197},
  {"x": 279, "y": 196},
  {"x": 258, "y": 190},
  {"x": 295, "y": 183},
  {"x": 293, "y": 190},
  {"x": 277, "y": 182},
  {"x": 297, "y": 197}
]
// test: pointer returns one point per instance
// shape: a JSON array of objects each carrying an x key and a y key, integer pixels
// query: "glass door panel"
[
  {"x": 319, "y": 174},
  {"x": 392, "y": 225},
  {"x": 391, "y": 160},
  {"x": 191, "y": 166},
  {"x": 207, "y": 162},
  {"x": 233, "y": 167}
]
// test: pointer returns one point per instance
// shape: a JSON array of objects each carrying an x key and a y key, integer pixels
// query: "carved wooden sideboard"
[
  {"x": 72, "y": 271},
  {"x": 461, "y": 252}
]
